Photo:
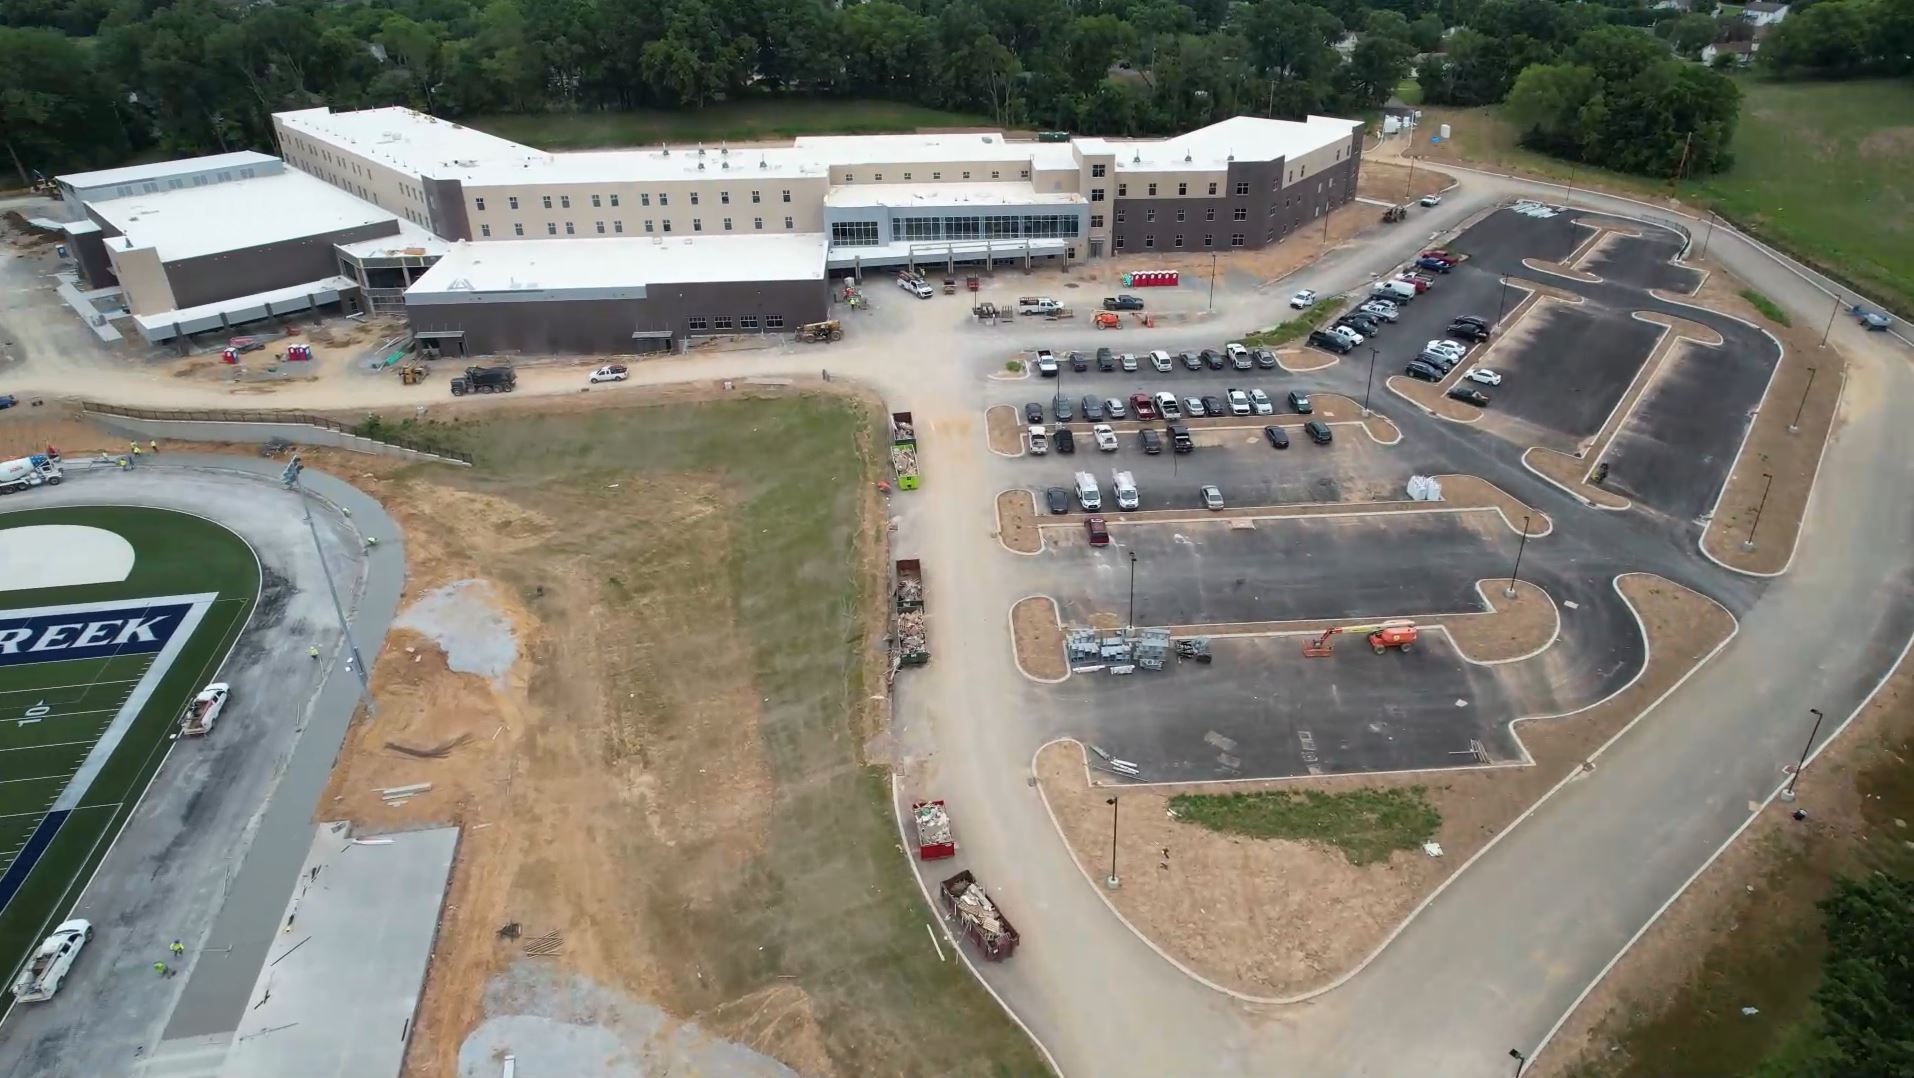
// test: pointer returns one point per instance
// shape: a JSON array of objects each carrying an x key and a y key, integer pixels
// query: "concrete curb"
[{"x": 1010, "y": 616}]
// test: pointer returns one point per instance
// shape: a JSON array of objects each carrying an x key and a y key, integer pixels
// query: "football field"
[{"x": 93, "y": 679}]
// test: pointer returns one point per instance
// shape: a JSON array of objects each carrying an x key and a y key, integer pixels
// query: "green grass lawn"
[
  {"x": 775, "y": 118},
  {"x": 1366, "y": 825},
  {"x": 175, "y": 554}
]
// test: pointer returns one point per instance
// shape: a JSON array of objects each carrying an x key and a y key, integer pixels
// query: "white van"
[
  {"x": 1087, "y": 493},
  {"x": 1400, "y": 291},
  {"x": 1125, "y": 484}
]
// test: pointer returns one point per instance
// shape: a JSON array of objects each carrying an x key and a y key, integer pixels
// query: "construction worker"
[
  {"x": 312, "y": 653},
  {"x": 159, "y": 968},
  {"x": 177, "y": 948},
  {"x": 135, "y": 458},
  {"x": 153, "y": 445}
]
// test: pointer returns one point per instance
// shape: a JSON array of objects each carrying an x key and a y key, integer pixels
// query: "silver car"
[
  {"x": 1212, "y": 497},
  {"x": 1116, "y": 409}
]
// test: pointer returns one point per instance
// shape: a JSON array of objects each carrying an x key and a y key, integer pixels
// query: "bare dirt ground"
[
  {"x": 1038, "y": 638},
  {"x": 1017, "y": 521},
  {"x": 1791, "y": 458},
  {"x": 1387, "y": 181},
  {"x": 1005, "y": 431},
  {"x": 1760, "y": 891},
  {"x": 1249, "y": 914},
  {"x": 1513, "y": 627},
  {"x": 1570, "y": 472},
  {"x": 1336, "y": 408}
]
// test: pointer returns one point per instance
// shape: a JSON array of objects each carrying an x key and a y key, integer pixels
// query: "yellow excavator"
[
  {"x": 1399, "y": 634},
  {"x": 413, "y": 373}
]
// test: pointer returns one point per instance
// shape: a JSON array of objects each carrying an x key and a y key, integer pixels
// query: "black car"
[
  {"x": 1191, "y": 361},
  {"x": 1213, "y": 359},
  {"x": 1419, "y": 369},
  {"x": 1093, "y": 408},
  {"x": 1214, "y": 406},
  {"x": 1470, "y": 395},
  {"x": 1475, "y": 319},
  {"x": 1079, "y": 362},
  {"x": 1278, "y": 437},
  {"x": 1266, "y": 359},
  {"x": 1437, "y": 360},
  {"x": 1299, "y": 402},
  {"x": 1361, "y": 323},
  {"x": 1322, "y": 338},
  {"x": 1066, "y": 441},
  {"x": 1058, "y": 499},
  {"x": 1318, "y": 432},
  {"x": 1467, "y": 331},
  {"x": 1122, "y": 303},
  {"x": 1106, "y": 360},
  {"x": 1152, "y": 441},
  {"x": 1063, "y": 408},
  {"x": 1180, "y": 438},
  {"x": 1033, "y": 413}
]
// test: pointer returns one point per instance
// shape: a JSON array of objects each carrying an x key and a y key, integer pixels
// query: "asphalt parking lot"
[
  {"x": 1354, "y": 467},
  {"x": 1674, "y": 452},
  {"x": 1644, "y": 262},
  {"x": 1300, "y": 568},
  {"x": 1572, "y": 366},
  {"x": 1263, "y": 710},
  {"x": 1499, "y": 242}
]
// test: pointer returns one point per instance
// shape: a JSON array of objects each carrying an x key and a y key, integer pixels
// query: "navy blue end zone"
[
  {"x": 99, "y": 634},
  {"x": 37, "y": 843}
]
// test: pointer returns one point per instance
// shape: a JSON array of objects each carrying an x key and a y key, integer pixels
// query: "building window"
[
  {"x": 747, "y": 321},
  {"x": 1179, "y": 217},
  {"x": 667, "y": 224},
  {"x": 1272, "y": 211},
  {"x": 517, "y": 229},
  {"x": 906, "y": 177},
  {"x": 994, "y": 174},
  {"x": 724, "y": 197},
  {"x": 601, "y": 227},
  {"x": 511, "y": 201},
  {"x": 1096, "y": 220},
  {"x": 1149, "y": 242},
  {"x": 937, "y": 175},
  {"x": 1152, "y": 190},
  {"x": 1236, "y": 239},
  {"x": 757, "y": 224},
  {"x": 614, "y": 201},
  {"x": 1276, "y": 184},
  {"x": 1119, "y": 216},
  {"x": 697, "y": 224},
  {"x": 1123, "y": 190},
  {"x": 564, "y": 202},
  {"x": 1096, "y": 171},
  {"x": 479, "y": 204},
  {"x": 722, "y": 321},
  {"x": 694, "y": 198},
  {"x": 568, "y": 229},
  {"x": 1096, "y": 194},
  {"x": 727, "y": 224},
  {"x": 853, "y": 233},
  {"x": 1209, "y": 214},
  {"x": 787, "y": 224},
  {"x": 1212, "y": 187},
  {"x": 665, "y": 200},
  {"x": 1240, "y": 213},
  {"x": 754, "y": 196},
  {"x": 1179, "y": 242},
  {"x": 697, "y": 322},
  {"x": 787, "y": 196},
  {"x": 879, "y": 177},
  {"x": 647, "y": 225},
  {"x": 1149, "y": 216},
  {"x": 848, "y": 178},
  {"x": 644, "y": 198},
  {"x": 773, "y": 321},
  {"x": 548, "y": 202},
  {"x": 966, "y": 174},
  {"x": 618, "y": 226},
  {"x": 485, "y": 230},
  {"x": 1182, "y": 188},
  {"x": 1023, "y": 174},
  {"x": 551, "y": 228},
  {"x": 1209, "y": 240},
  {"x": 1242, "y": 187},
  {"x": 594, "y": 202}
]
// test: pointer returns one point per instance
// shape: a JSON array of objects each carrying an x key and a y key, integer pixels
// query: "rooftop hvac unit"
[{"x": 701, "y": 163}]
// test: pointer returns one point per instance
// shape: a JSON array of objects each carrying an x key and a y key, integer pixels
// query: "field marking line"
[
  {"x": 51, "y": 745},
  {"x": 75, "y": 685},
  {"x": 37, "y": 778}
]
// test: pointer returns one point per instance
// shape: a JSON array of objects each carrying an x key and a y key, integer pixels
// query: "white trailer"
[
  {"x": 41, "y": 977},
  {"x": 23, "y": 472}
]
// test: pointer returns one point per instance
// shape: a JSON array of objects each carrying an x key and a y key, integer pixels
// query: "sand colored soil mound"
[
  {"x": 1006, "y": 433},
  {"x": 1038, "y": 638},
  {"x": 1017, "y": 521}
]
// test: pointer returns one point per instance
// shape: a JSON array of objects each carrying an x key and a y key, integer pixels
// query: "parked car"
[
  {"x": 611, "y": 372},
  {"x": 1348, "y": 334},
  {"x": 1419, "y": 369},
  {"x": 1278, "y": 437},
  {"x": 1063, "y": 408},
  {"x": 1167, "y": 406},
  {"x": 1160, "y": 360},
  {"x": 1046, "y": 363},
  {"x": 1382, "y": 309},
  {"x": 1066, "y": 441},
  {"x": 1434, "y": 265},
  {"x": 1033, "y": 413},
  {"x": 1441, "y": 361},
  {"x": 1303, "y": 300},
  {"x": 1099, "y": 530},
  {"x": 1423, "y": 281},
  {"x": 1447, "y": 348},
  {"x": 1079, "y": 362},
  {"x": 1106, "y": 437},
  {"x": 1152, "y": 441},
  {"x": 1318, "y": 432},
  {"x": 1260, "y": 401},
  {"x": 1128, "y": 362},
  {"x": 1213, "y": 405},
  {"x": 1473, "y": 318},
  {"x": 1122, "y": 303},
  {"x": 1468, "y": 331},
  {"x": 1265, "y": 359},
  {"x": 1180, "y": 439},
  {"x": 1441, "y": 252},
  {"x": 1485, "y": 376},
  {"x": 1239, "y": 402},
  {"x": 1212, "y": 497},
  {"x": 1432, "y": 200},
  {"x": 1470, "y": 395},
  {"x": 1143, "y": 406},
  {"x": 1115, "y": 408},
  {"x": 1299, "y": 402},
  {"x": 1194, "y": 407},
  {"x": 1106, "y": 361},
  {"x": 1058, "y": 499},
  {"x": 1190, "y": 361},
  {"x": 1361, "y": 323},
  {"x": 1093, "y": 409},
  {"x": 1333, "y": 342},
  {"x": 1213, "y": 360}
]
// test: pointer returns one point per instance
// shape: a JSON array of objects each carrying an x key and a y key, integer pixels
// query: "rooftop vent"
[
  {"x": 762, "y": 163},
  {"x": 701, "y": 163},
  {"x": 1136, "y": 157},
  {"x": 701, "y": 151},
  {"x": 1186, "y": 157},
  {"x": 725, "y": 164}
]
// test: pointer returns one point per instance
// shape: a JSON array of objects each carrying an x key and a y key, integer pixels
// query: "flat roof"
[
  {"x": 933, "y": 195},
  {"x": 411, "y": 242},
  {"x": 1212, "y": 148},
  {"x": 193, "y": 221},
  {"x": 562, "y": 264},
  {"x": 159, "y": 170},
  {"x": 406, "y": 140}
]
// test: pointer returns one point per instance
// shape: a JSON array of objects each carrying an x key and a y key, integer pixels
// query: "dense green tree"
[
  {"x": 1838, "y": 38},
  {"x": 1866, "y": 994},
  {"x": 1376, "y": 65},
  {"x": 1688, "y": 34},
  {"x": 53, "y": 111}
]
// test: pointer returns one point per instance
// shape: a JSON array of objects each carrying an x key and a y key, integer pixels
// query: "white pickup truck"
[
  {"x": 205, "y": 709},
  {"x": 1039, "y": 440},
  {"x": 52, "y": 962},
  {"x": 1037, "y": 305}
]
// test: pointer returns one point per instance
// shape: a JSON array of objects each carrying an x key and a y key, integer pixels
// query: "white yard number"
[{"x": 35, "y": 713}]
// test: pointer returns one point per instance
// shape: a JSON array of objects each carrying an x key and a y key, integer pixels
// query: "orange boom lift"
[{"x": 1400, "y": 634}]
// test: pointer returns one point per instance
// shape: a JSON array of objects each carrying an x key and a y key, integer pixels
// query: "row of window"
[
  {"x": 1240, "y": 213},
  {"x": 174, "y": 183},
  {"x": 995, "y": 174},
  {"x": 618, "y": 227},
  {"x": 720, "y": 323},
  {"x": 644, "y": 199},
  {"x": 1236, "y": 239},
  {"x": 988, "y": 226}
]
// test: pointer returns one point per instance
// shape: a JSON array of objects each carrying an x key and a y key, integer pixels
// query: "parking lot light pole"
[
  {"x": 1130, "y": 625},
  {"x": 1520, "y": 1060},
  {"x": 1517, "y": 571},
  {"x": 1501, "y": 299},
  {"x": 1748, "y": 543},
  {"x": 1369, "y": 382},
  {"x": 1707, "y": 232},
  {"x": 1795, "y": 427},
  {"x": 1112, "y": 881},
  {"x": 1212, "y": 302},
  {"x": 1787, "y": 792},
  {"x": 1829, "y": 328}
]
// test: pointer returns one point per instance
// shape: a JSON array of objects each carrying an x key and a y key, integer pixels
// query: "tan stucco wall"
[
  {"x": 1196, "y": 183},
  {"x": 657, "y": 202},
  {"x": 349, "y": 170},
  {"x": 143, "y": 278},
  {"x": 1009, "y": 169}
]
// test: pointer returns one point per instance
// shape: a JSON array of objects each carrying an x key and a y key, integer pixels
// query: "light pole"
[
  {"x": 1520, "y": 1061},
  {"x": 1501, "y": 299},
  {"x": 293, "y": 469},
  {"x": 1520, "y": 547},
  {"x": 1112, "y": 881},
  {"x": 1748, "y": 543},
  {"x": 1130, "y": 625},
  {"x": 1369, "y": 381},
  {"x": 1212, "y": 303},
  {"x": 1795, "y": 427},
  {"x": 1829, "y": 328},
  {"x": 1709, "y": 221},
  {"x": 1787, "y": 792}
]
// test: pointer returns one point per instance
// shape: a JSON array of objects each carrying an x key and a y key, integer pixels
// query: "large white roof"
[
  {"x": 408, "y": 141},
  {"x": 194, "y": 221},
  {"x": 159, "y": 170},
  {"x": 562, "y": 264},
  {"x": 1212, "y": 148},
  {"x": 934, "y": 195}
]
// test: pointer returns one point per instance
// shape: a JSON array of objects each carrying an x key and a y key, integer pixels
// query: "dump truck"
[
  {"x": 972, "y": 914},
  {"x": 911, "y": 637},
  {"x": 24, "y": 472},
  {"x": 904, "y": 450},
  {"x": 50, "y": 964},
  {"x": 485, "y": 380},
  {"x": 934, "y": 839},
  {"x": 205, "y": 710}
]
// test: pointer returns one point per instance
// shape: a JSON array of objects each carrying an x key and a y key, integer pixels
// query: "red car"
[
  {"x": 1439, "y": 252},
  {"x": 1099, "y": 531},
  {"x": 1142, "y": 406}
]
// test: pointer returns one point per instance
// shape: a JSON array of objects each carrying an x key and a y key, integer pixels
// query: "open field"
[
  {"x": 670, "y": 772},
  {"x": 734, "y": 120},
  {"x": 54, "y": 826},
  {"x": 1820, "y": 170}
]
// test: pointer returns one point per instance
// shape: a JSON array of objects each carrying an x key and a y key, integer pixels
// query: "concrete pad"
[
  {"x": 341, "y": 983},
  {"x": 62, "y": 555}
]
